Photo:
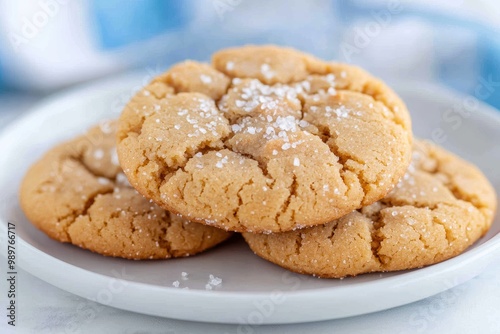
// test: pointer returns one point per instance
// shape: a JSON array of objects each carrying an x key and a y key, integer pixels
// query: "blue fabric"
[
  {"x": 119, "y": 23},
  {"x": 490, "y": 65},
  {"x": 2, "y": 82},
  {"x": 486, "y": 60}
]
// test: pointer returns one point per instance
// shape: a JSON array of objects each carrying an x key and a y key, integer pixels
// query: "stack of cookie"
[{"x": 313, "y": 162}]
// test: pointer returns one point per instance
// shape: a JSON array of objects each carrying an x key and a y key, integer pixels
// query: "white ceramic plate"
[{"x": 253, "y": 291}]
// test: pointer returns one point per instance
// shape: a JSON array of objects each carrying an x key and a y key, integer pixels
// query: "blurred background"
[{"x": 49, "y": 45}]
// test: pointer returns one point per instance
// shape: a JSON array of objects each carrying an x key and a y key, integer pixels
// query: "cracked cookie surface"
[
  {"x": 265, "y": 139},
  {"x": 442, "y": 205},
  {"x": 77, "y": 193}
]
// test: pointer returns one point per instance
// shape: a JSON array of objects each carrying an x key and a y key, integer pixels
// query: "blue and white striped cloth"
[{"x": 397, "y": 39}]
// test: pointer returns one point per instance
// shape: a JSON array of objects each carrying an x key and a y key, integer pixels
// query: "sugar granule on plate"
[{"x": 214, "y": 280}]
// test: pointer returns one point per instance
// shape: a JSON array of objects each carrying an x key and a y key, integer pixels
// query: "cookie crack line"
[
  {"x": 240, "y": 199},
  {"x": 164, "y": 242},
  {"x": 79, "y": 160},
  {"x": 450, "y": 184},
  {"x": 88, "y": 204},
  {"x": 376, "y": 243},
  {"x": 298, "y": 243},
  {"x": 448, "y": 232},
  {"x": 286, "y": 203},
  {"x": 71, "y": 217},
  {"x": 459, "y": 196}
]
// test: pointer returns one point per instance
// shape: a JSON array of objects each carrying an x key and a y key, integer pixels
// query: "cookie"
[
  {"x": 77, "y": 193},
  {"x": 441, "y": 206},
  {"x": 265, "y": 139}
]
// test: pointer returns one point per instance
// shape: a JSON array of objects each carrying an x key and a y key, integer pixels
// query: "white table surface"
[{"x": 473, "y": 307}]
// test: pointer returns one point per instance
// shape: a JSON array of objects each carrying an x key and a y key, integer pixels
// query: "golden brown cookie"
[
  {"x": 77, "y": 193},
  {"x": 441, "y": 206},
  {"x": 265, "y": 139}
]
